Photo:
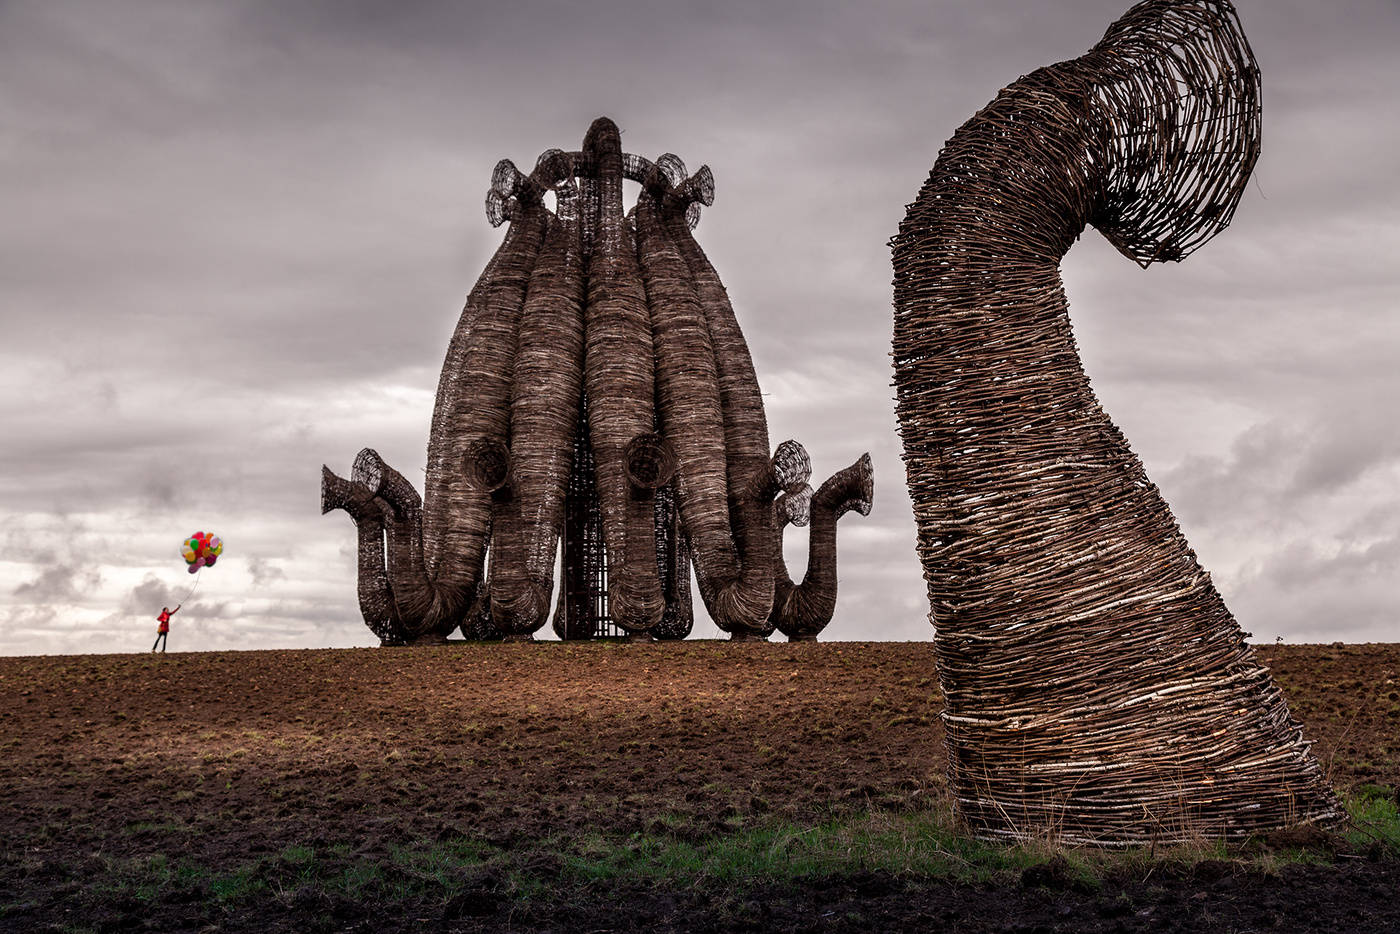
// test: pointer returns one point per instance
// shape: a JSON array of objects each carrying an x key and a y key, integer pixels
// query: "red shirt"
[{"x": 164, "y": 620}]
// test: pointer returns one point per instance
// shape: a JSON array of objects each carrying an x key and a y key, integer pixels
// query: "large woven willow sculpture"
[
  {"x": 598, "y": 386},
  {"x": 1097, "y": 687}
]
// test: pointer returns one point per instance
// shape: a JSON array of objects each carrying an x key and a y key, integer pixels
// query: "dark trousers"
[{"x": 160, "y": 641}]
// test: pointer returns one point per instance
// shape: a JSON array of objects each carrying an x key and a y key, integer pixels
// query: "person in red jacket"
[{"x": 163, "y": 632}]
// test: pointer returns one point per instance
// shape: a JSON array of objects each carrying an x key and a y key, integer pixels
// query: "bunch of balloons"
[{"x": 201, "y": 550}]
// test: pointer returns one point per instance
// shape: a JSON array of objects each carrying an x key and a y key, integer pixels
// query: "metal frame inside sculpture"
[
  {"x": 597, "y": 385},
  {"x": 1097, "y": 687}
]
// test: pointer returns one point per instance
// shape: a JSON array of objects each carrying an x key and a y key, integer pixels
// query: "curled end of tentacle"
[
  {"x": 521, "y": 612},
  {"x": 552, "y": 167},
  {"x": 368, "y": 469},
  {"x": 849, "y": 490},
  {"x": 673, "y": 167},
  {"x": 498, "y": 209},
  {"x": 339, "y": 493},
  {"x": 1176, "y": 95},
  {"x": 510, "y": 188},
  {"x": 690, "y": 194},
  {"x": 506, "y": 179},
  {"x": 384, "y": 481},
  {"x": 794, "y": 508},
  {"x": 792, "y": 468},
  {"x": 486, "y": 465},
  {"x": 650, "y": 461},
  {"x": 700, "y": 187},
  {"x": 634, "y": 609}
]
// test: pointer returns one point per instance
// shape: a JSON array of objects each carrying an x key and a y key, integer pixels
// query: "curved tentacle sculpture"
[
  {"x": 598, "y": 381},
  {"x": 376, "y": 599},
  {"x": 801, "y": 611},
  {"x": 1097, "y": 686},
  {"x": 736, "y": 584},
  {"x": 619, "y": 375}
]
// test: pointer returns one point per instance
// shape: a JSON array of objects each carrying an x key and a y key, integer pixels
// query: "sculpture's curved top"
[
  {"x": 1183, "y": 76},
  {"x": 1097, "y": 685},
  {"x": 1150, "y": 137}
]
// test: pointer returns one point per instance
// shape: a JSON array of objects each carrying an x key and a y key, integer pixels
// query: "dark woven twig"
[
  {"x": 1097, "y": 687},
  {"x": 598, "y": 382}
]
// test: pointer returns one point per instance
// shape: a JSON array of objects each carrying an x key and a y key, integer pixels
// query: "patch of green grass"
[
  {"x": 1375, "y": 819},
  {"x": 924, "y": 844},
  {"x": 237, "y": 886}
]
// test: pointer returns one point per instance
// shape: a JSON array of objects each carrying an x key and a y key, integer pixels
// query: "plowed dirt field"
[{"x": 220, "y": 791}]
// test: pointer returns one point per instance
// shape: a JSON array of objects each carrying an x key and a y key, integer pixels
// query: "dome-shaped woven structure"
[{"x": 598, "y": 388}]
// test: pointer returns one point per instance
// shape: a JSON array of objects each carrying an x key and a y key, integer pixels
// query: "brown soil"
[{"x": 223, "y": 758}]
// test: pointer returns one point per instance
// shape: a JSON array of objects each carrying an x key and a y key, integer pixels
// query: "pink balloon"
[
  {"x": 209, "y": 561},
  {"x": 192, "y": 569}
]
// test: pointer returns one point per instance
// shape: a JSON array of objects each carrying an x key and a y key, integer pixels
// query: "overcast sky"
[{"x": 236, "y": 236}]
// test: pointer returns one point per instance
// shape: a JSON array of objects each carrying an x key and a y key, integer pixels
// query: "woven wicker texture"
[
  {"x": 597, "y": 387},
  {"x": 801, "y": 611},
  {"x": 1098, "y": 689}
]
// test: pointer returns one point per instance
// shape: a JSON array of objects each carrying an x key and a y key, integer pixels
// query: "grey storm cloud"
[
  {"x": 151, "y": 592},
  {"x": 264, "y": 572},
  {"x": 58, "y": 583},
  {"x": 237, "y": 236}
]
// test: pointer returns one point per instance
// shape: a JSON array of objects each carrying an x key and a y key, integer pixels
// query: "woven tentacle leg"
[
  {"x": 795, "y": 509},
  {"x": 372, "y": 579},
  {"x": 545, "y": 403},
  {"x": 528, "y": 480},
  {"x": 1097, "y": 687},
  {"x": 517, "y": 604},
  {"x": 788, "y": 470},
  {"x": 484, "y": 424},
  {"x": 688, "y": 397},
  {"x": 618, "y": 377},
  {"x": 747, "y": 451},
  {"x": 457, "y": 517},
  {"x": 801, "y": 611},
  {"x": 422, "y": 611}
]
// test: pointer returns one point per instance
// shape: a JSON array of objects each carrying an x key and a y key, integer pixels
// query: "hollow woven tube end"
[
  {"x": 486, "y": 464},
  {"x": 792, "y": 468},
  {"x": 650, "y": 460},
  {"x": 795, "y": 508},
  {"x": 368, "y": 469}
]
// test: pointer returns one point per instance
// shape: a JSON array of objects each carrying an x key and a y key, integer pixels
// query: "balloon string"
[{"x": 197, "y": 575}]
